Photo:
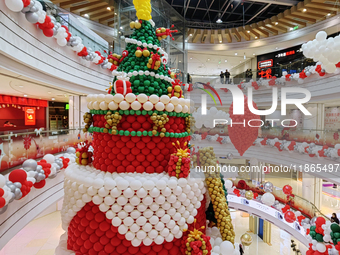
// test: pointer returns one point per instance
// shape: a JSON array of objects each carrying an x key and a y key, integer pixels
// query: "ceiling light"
[
  {"x": 86, "y": 15},
  {"x": 208, "y": 59},
  {"x": 115, "y": 13},
  {"x": 304, "y": 10},
  {"x": 219, "y": 20},
  {"x": 225, "y": 61},
  {"x": 111, "y": 46},
  {"x": 235, "y": 53},
  {"x": 255, "y": 37},
  {"x": 53, "y": 98},
  {"x": 20, "y": 86},
  {"x": 25, "y": 95},
  {"x": 49, "y": 92},
  {"x": 254, "y": 54},
  {"x": 291, "y": 29},
  {"x": 277, "y": 48},
  {"x": 190, "y": 58},
  {"x": 186, "y": 40},
  {"x": 121, "y": 28},
  {"x": 248, "y": 31},
  {"x": 108, "y": 8},
  {"x": 244, "y": 56},
  {"x": 328, "y": 14},
  {"x": 276, "y": 23},
  {"x": 190, "y": 35},
  {"x": 220, "y": 41},
  {"x": 180, "y": 61}
]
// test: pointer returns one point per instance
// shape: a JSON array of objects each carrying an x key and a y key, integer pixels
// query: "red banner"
[{"x": 29, "y": 116}]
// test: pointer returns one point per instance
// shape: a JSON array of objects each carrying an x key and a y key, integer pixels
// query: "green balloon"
[
  {"x": 336, "y": 235},
  {"x": 335, "y": 227},
  {"x": 151, "y": 90},
  {"x": 140, "y": 89},
  {"x": 319, "y": 238},
  {"x": 136, "y": 83},
  {"x": 147, "y": 83}
]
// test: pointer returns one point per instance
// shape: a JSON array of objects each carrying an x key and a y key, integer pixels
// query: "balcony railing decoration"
[
  {"x": 50, "y": 27},
  {"x": 310, "y": 149},
  {"x": 18, "y": 183}
]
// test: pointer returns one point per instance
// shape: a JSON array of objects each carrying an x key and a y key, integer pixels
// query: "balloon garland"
[
  {"x": 35, "y": 14},
  {"x": 20, "y": 182}
]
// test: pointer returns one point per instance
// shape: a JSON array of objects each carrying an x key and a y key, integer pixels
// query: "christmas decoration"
[
  {"x": 243, "y": 136},
  {"x": 179, "y": 164},
  {"x": 84, "y": 156},
  {"x": 88, "y": 120}
]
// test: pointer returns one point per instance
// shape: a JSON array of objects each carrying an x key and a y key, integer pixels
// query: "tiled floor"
[{"x": 39, "y": 237}]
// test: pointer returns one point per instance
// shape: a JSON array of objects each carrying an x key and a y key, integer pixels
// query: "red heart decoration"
[{"x": 243, "y": 137}]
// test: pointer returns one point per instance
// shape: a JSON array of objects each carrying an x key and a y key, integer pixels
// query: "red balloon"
[
  {"x": 290, "y": 217},
  {"x": 39, "y": 185},
  {"x": 18, "y": 175},
  {"x": 2, "y": 202},
  {"x": 2, "y": 192},
  {"x": 287, "y": 189}
]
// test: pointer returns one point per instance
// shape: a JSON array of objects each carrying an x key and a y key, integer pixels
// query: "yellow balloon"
[
  {"x": 249, "y": 195},
  {"x": 246, "y": 239}
]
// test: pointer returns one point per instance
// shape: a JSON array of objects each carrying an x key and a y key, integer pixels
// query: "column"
[
  {"x": 312, "y": 189},
  {"x": 70, "y": 112},
  {"x": 253, "y": 224},
  {"x": 267, "y": 232}
]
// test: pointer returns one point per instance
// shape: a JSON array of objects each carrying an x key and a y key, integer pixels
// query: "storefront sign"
[
  {"x": 265, "y": 64},
  {"x": 285, "y": 54},
  {"x": 29, "y": 116}
]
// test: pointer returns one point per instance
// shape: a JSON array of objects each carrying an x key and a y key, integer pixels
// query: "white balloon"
[
  {"x": 228, "y": 184},
  {"x": 268, "y": 199},
  {"x": 321, "y": 36},
  {"x": 226, "y": 248},
  {"x": 320, "y": 247},
  {"x": 14, "y": 5},
  {"x": 49, "y": 158}
]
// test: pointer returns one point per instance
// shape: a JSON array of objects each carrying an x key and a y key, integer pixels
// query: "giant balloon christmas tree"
[{"x": 134, "y": 195}]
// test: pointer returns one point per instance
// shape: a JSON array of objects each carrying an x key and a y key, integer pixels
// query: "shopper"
[
  {"x": 222, "y": 77},
  {"x": 249, "y": 75},
  {"x": 227, "y": 76},
  {"x": 241, "y": 249},
  {"x": 334, "y": 218},
  {"x": 189, "y": 79}
]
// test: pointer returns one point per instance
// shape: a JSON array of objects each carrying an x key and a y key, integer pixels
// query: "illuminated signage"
[
  {"x": 29, "y": 116},
  {"x": 285, "y": 54},
  {"x": 265, "y": 64}
]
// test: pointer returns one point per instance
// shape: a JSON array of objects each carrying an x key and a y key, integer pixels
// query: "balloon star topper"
[
  {"x": 143, "y": 8},
  {"x": 181, "y": 151},
  {"x": 196, "y": 233}
]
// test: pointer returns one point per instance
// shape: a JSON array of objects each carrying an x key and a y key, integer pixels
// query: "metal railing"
[{"x": 19, "y": 145}]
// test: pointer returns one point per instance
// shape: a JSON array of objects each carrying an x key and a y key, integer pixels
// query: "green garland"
[
  {"x": 143, "y": 112},
  {"x": 138, "y": 133}
]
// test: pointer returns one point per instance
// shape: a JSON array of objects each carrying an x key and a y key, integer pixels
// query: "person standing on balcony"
[
  {"x": 241, "y": 249},
  {"x": 335, "y": 218},
  {"x": 227, "y": 76},
  {"x": 222, "y": 77}
]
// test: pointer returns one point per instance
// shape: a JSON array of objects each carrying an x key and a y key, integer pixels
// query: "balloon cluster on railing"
[
  {"x": 208, "y": 119},
  {"x": 35, "y": 14},
  {"x": 324, "y": 50},
  {"x": 19, "y": 182},
  {"x": 310, "y": 149}
]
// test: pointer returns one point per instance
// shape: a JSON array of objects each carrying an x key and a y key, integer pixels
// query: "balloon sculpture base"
[{"x": 128, "y": 213}]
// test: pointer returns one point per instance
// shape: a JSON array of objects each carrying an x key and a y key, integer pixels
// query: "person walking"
[
  {"x": 222, "y": 77},
  {"x": 334, "y": 218},
  {"x": 227, "y": 76},
  {"x": 241, "y": 249}
]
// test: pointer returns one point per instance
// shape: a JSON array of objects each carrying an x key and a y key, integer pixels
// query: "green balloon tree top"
[{"x": 142, "y": 56}]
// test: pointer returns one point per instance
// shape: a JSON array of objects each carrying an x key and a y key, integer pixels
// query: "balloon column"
[{"x": 217, "y": 194}]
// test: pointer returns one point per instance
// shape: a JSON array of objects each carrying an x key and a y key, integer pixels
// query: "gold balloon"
[
  {"x": 246, "y": 239},
  {"x": 249, "y": 195}
]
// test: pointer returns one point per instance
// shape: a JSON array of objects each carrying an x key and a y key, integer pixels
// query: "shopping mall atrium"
[{"x": 169, "y": 127}]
